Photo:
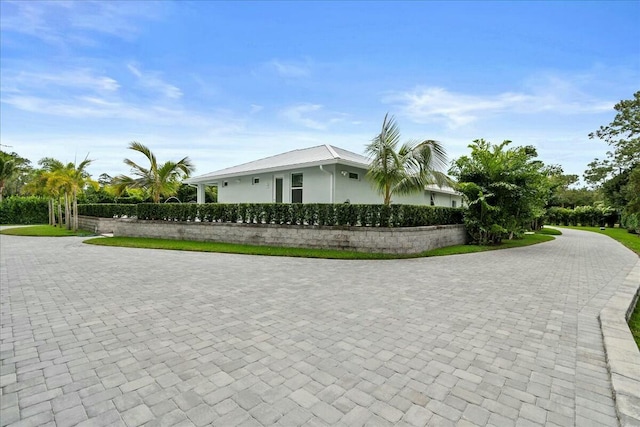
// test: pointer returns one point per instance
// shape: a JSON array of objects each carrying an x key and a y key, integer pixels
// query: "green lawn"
[
  {"x": 44, "y": 231},
  {"x": 634, "y": 325},
  {"x": 182, "y": 245},
  {"x": 527, "y": 240},
  {"x": 187, "y": 245},
  {"x": 549, "y": 231}
]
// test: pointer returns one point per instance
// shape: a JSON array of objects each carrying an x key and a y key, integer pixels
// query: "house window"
[
  {"x": 225, "y": 183},
  {"x": 432, "y": 200},
  {"x": 453, "y": 203},
  {"x": 256, "y": 181},
  {"x": 296, "y": 188},
  {"x": 353, "y": 175}
]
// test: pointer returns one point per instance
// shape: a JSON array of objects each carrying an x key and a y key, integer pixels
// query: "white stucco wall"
[
  {"x": 327, "y": 185},
  {"x": 316, "y": 187},
  {"x": 362, "y": 192}
]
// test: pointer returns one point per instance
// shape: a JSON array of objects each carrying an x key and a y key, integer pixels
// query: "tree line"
[{"x": 506, "y": 189}]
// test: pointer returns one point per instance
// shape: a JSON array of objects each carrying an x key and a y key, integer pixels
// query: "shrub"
[
  {"x": 108, "y": 210},
  {"x": 631, "y": 221},
  {"x": 587, "y": 216},
  {"x": 24, "y": 210},
  {"x": 315, "y": 214}
]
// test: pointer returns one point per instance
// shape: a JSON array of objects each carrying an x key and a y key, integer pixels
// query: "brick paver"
[{"x": 103, "y": 336}]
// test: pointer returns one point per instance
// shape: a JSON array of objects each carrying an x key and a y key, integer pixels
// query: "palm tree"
[
  {"x": 407, "y": 169},
  {"x": 157, "y": 180},
  {"x": 7, "y": 168},
  {"x": 47, "y": 182},
  {"x": 77, "y": 179}
]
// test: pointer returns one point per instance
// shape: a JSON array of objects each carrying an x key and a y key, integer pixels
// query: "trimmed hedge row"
[
  {"x": 292, "y": 214},
  {"x": 24, "y": 210},
  {"x": 108, "y": 210},
  {"x": 588, "y": 216}
]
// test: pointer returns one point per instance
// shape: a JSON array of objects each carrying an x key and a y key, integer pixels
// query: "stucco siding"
[
  {"x": 332, "y": 183},
  {"x": 316, "y": 187}
]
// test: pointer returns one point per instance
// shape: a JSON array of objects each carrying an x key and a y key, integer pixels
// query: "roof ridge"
[{"x": 333, "y": 152}]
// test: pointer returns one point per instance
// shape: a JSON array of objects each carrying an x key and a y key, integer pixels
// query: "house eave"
[{"x": 214, "y": 178}]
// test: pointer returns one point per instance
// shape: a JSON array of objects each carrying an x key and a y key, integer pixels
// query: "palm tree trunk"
[
  {"x": 75, "y": 212},
  {"x": 60, "y": 212},
  {"x": 67, "y": 211},
  {"x": 387, "y": 195},
  {"x": 52, "y": 213}
]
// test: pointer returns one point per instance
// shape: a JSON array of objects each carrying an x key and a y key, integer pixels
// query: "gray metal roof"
[{"x": 305, "y": 157}]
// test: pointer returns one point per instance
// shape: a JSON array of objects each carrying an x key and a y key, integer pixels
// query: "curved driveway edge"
[
  {"x": 623, "y": 356},
  {"x": 95, "y": 335}
]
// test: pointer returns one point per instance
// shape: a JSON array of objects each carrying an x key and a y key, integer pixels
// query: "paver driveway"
[{"x": 98, "y": 336}]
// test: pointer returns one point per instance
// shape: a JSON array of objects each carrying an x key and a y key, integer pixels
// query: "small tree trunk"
[
  {"x": 67, "y": 211},
  {"x": 52, "y": 215},
  {"x": 75, "y": 212},
  {"x": 60, "y": 212}
]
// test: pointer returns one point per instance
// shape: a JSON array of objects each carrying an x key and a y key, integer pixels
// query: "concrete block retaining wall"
[
  {"x": 96, "y": 225},
  {"x": 381, "y": 240}
]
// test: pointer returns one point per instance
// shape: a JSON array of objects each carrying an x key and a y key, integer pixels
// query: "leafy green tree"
[
  {"x": 21, "y": 171},
  {"x": 406, "y": 168},
  {"x": 505, "y": 189},
  {"x": 7, "y": 169},
  {"x": 158, "y": 180},
  {"x": 617, "y": 175},
  {"x": 561, "y": 193},
  {"x": 623, "y": 135},
  {"x": 632, "y": 191}
]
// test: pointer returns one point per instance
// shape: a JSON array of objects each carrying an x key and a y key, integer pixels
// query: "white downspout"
[{"x": 331, "y": 184}]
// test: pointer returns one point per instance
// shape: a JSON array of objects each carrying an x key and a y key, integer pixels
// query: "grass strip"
[
  {"x": 549, "y": 231},
  {"x": 44, "y": 231},
  {"x": 634, "y": 325},
  {"x": 183, "y": 245},
  {"x": 527, "y": 240}
]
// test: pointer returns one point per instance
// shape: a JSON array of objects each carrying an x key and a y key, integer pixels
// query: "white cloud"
[
  {"x": 77, "y": 22},
  {"x": 152, "y": 80},
  {"x": 312, "y": 116},
  {"x": 290, "y": 69},
  {"x": 72, "y": 79},
  {"x": 429, "y": 104},
  {"x": 299, "y": 115}
]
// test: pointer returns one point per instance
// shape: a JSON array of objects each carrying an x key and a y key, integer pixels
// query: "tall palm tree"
[
  {"x": 407, "y": 169},
  {"x": 7, "y": 168},
  {"x": 157, "y": 180},
  {"x": 47, "y": 181},
  {"x": 77, "y": 179}
]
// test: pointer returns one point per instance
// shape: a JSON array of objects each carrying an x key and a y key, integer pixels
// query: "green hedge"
[
  {"x": 24, "y": 210},
  {"x": 108, "y": 210},
  {"x": 587, "y": 216},
  {"x": 295, "y": 214},
  {"x": 631, "y": 221}
]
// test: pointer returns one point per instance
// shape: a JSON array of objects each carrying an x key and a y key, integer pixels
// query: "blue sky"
[{"x": 226, "y": 83}]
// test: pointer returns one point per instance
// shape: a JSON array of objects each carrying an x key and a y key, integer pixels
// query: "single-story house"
[{"x": 322, "y": 174}]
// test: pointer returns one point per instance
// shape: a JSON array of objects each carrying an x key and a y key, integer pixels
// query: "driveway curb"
[{"x": 621, "y": 351}]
